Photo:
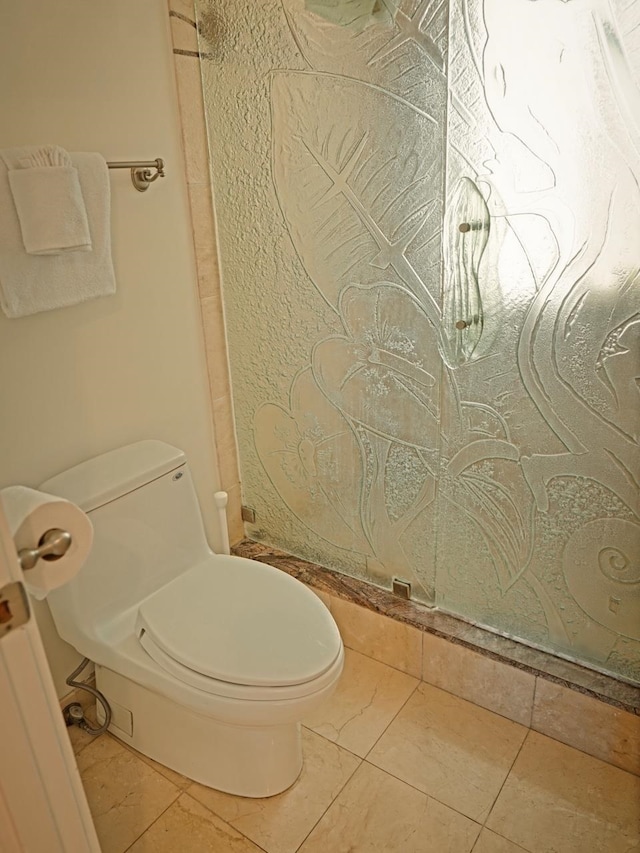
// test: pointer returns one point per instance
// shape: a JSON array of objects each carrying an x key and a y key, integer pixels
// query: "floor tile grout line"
[
  {"x": 386, "y": 663},
  {"x": 533, "y": 701},
  {"x": 77, "y": 752},
  {"x": 366, "y": 757},
  {"x": 147, "y": 758},
  {"x": 137, "y": 755},
  {"x": 220, "y": 817},
  {"x": 342, "y": 787},
  {"x": 153, "y": 822},
  {"x": 424, "y": 793},
  {"x": 413, "y": 689},
  {"x": 475, "y": 704},
  {"x": 475, "y": 843},
  {"x": 334, "y": 743},
  {"x": 418, "y": 678},
  {"x": 373, "y": 745},
  {"x": 529, "y": 726},
  {"x": 513, "y": 763},
  {"x": 528, "y": 732},
  {"x": 587, "y": 754},
  {"x": 202, "y": 805},
  {"x": 504, "y": 838}
]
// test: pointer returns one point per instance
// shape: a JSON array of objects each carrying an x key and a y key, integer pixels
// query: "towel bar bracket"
[{"x": 142, "y": 173}]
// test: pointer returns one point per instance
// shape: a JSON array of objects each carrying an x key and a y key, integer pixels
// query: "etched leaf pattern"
[
  {"x": 403, "y": 50},
  {"x": 513, "y": 438},
  {"x": 353, "y": 209},
  {"x": 353, "y": 206},
  {"x": 557, "y": 116},
  {"x": 312, "y": 458},
  {"x": 379, "y": 372}
]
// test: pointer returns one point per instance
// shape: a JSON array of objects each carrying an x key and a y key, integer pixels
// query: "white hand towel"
[
  {"x": 33, "y": 283},
  {"x": 49, "y": 203}
]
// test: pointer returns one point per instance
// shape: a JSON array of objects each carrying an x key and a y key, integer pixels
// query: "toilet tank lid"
[{"x": 104, "y": 478}]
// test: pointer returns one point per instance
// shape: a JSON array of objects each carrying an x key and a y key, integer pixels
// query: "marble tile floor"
[{"x": 392, "y": 765}]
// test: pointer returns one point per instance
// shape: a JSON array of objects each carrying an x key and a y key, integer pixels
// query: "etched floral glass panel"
[
  {"x": 537, "y": 524},
  {"x": 327, "y": 146},
  {"x": 429, "y": 226}
]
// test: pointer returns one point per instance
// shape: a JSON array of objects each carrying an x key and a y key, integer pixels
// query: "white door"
[{"x": 43, "y": 808}]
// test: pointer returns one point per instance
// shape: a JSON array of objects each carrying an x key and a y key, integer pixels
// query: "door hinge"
[{"x": 14, "y": 607}]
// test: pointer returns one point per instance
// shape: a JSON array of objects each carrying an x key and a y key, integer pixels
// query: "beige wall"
[{"x": 79, "y": 381}]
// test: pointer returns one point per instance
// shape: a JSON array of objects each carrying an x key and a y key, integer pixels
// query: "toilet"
[{"x": 208, "y": 661}]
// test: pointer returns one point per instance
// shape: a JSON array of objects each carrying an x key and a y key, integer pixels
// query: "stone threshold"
[{"x": 541, "y": 664}]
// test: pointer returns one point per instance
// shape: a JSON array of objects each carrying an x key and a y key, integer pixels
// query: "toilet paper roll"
[{"x": 30, "y": 515}]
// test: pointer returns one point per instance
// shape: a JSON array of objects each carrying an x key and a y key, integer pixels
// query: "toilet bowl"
[{"x": 208, "y": 661}]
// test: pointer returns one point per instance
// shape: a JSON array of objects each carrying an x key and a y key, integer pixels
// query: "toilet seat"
[
  {"x": 228, "y": 690},
  {"x": 280, "y": 643}
]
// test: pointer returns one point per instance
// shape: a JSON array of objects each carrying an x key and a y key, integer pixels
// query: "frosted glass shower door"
[
  {"x": 429, "y": 228},
  {"x": 328, "y": 160},
  {"x": 537, "y": 529}
]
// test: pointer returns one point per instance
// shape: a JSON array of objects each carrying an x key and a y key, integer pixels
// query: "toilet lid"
[{"x": 243, "y": 622}]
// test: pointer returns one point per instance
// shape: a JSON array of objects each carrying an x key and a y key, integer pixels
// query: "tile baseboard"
[{"x": 579, "y": 706}]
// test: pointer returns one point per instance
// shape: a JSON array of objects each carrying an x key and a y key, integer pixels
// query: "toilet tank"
[{"x": 147, "y": 530}]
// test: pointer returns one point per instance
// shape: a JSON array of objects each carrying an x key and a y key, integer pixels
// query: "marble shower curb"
[{"x": 541, "y": 664}]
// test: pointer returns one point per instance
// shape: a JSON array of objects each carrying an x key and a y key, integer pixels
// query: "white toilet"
[{"x": 209, "y": 662}]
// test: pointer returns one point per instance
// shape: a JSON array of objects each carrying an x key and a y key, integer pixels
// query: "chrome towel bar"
[{"x": 141, "y": 171}]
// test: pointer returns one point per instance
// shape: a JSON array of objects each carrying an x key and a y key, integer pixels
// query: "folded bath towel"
[
  {"x": 33, "y": 283},
  {"x": 49, "y": 203}
]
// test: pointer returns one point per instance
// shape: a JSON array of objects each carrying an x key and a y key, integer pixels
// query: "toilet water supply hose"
[{"x": 73, "y": 713}]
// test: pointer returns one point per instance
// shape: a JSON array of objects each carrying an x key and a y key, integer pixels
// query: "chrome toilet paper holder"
[{"x": 52, "y": 545}]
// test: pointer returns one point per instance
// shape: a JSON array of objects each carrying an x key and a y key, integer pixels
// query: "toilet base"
[{"x": 249, "y": 761}]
